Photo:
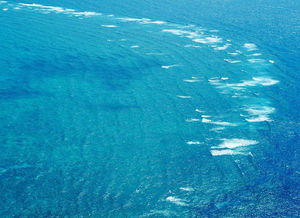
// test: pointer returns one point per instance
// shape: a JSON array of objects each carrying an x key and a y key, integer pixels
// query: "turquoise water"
[{"x": 131, "y": 109}]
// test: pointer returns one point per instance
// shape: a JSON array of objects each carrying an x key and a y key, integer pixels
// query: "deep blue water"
[{"x": 177, "y": 108}]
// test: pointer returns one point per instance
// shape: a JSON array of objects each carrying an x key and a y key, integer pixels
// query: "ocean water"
[{"x": 149, "y": 109}]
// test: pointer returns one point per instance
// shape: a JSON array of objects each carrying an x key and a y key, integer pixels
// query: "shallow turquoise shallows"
[{"x": 149, "y": 109}]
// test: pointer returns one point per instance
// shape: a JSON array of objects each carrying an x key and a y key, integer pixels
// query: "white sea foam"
[
  {"x": 204, "y": 120},
  {"x": 264, "y": 81},
  {"x": 259, "y": 113},
  {"x": 257, "y": 110},
  {"x": 224, "y": 47},
  {"x": 169, "y": 66},
  {"x": 184, "y": 96},
  {"x": 232, "y": 61},
  {"x": 235, "y": 143},
  {"x": 233, "y": 53},
  {"x": 200, "y": 41},
  {"x": 256, "y": 60},
  {"x": 35, "y": 5},
  {"x": 192, "y": 80},
  {"x": 193, "y": 143},
  {"x": 84, "y": 13},
  {"x": 134, "y": 46},
  {"x": 224, "y": 78},
  {"x": 49, "y": 8},
  {"x": 60, "y": 10},
  {"x": 256, "y": 54},
  {"x": 250, "y": 46},
  {"x": 208, "y": 40},
  {"x": 176, "y": 200},
  {"x": 141, "y": 20},
  {"x": 192, "y": 120},
  {"x": 225, "y": 152},
  {"x": 130, "y": 19},
  {"x": 259, "y": 118},
  {"x": 5, "y": 9},
  {"x": 153, "y": 22},
  {"x": 221, "y": 123},
  {"x": 175, "y": 31},
  {"x": 109, "y": 26},
  {"x": 187, "y": 189},
  {"x": 199, "y": 111},
  {"x": 157, "y": 22},
  {"x": 215, "y": 81},
  {"x": 179, "y": 32},
  {"x": 214, "y": 39}
]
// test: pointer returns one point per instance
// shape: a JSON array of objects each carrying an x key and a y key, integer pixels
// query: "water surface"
[{"x": 149, "y": 109}]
